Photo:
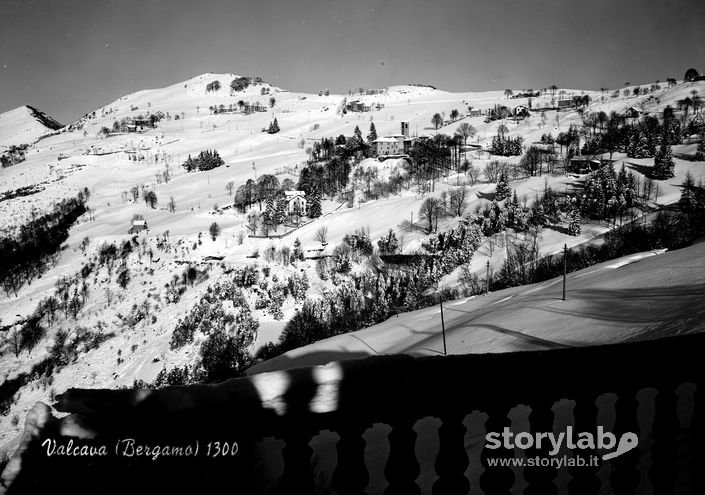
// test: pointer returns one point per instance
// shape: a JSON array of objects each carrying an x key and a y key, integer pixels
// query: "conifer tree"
[
  {"x": 515, "y": 200},
  {"x": 650, "y": 147},
  {"x": 638, "y": 146},
  {"x": 314, "y": 210},
  {"x": 671, "y": 127},
  {"x": 297, "y": 254},
  {"x": 273, "y": 127},
  {"x": 574, "y": 225},
  {"x": 280, "y": 211},
  {"x": 372, "y": 136},
  {"x": 269, "y": 211},
  {"x": 388, "y": 244},
  {"x": 514, "y": 211},
  {"x": 538, "y": 217},
  {"x": 663, "y": 162},
  {"x": 700, "y": 153},
  {"x": 214, "y": 230},
  {"x": 358, "y": 133},
  {"x": 189, "y": 164},
  {"x": 503, "y": 190},
  {"x": 688, "y": 199}
]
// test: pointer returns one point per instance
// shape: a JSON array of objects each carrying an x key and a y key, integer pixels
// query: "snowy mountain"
[
  {"x": 24, "y": 125},
  {"x": 131, "y": 270}
]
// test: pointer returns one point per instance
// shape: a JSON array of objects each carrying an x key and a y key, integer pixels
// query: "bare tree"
[
  {"x": 458, "y": 200},
  {"x": 15, "y": 342},
  {"x": 493, "y": 169},
  {"x": 431, "y": 210},
  {"x": 465, "y": 131},
  {"x": 322, "y": 234},
  {"x": 647, "y": 189},
  {"x": 150, "y": 198},
  {"x": 474, "y": 174},
  {"x": 229, "y": 187},
  {"x": 437, "y": 120}
]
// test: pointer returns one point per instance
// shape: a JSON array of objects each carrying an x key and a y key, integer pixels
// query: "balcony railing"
[{"x": 652, "y": 388}]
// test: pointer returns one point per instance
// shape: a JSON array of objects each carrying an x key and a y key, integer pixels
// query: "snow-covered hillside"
[
  {"x": 137, "y": 319},
  {"x": 643, "y": 296},
  {"x": 24, "y": 125}
]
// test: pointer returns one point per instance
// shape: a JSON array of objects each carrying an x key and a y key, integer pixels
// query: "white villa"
[
  {"x": 395, "y": 144},
  {"x": 296, "y": 202}
]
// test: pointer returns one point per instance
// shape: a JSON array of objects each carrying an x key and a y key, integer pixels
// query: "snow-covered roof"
[
  {"x": 386, "y": 140},
  {"x": 584, "y": 158},
  {"x": 139, "y": 223},
  {"x": 293, "y": 194}
]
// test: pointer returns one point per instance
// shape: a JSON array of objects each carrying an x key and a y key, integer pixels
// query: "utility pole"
[
  {"x": 443, "y": 325},
  {"x": 565, "y": 266},
  {"x": 487, "y": 281}
]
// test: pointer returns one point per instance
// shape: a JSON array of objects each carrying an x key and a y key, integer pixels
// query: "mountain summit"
[{"x": 24, "y": 125}]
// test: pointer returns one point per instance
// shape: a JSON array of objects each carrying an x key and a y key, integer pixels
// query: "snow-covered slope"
[
  {"x": 644, "y": 296},
  {"x": 80, "y": 156},
  {"x": 24, "y": 125}
]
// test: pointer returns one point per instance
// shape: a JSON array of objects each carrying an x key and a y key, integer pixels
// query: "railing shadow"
[{"x": 338, "y": 406}]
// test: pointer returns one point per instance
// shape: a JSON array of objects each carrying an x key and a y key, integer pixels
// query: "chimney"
[{"x": 405, "y": 129}]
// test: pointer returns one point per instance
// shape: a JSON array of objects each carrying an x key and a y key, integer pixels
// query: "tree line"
[
  {"x": 206, "y": 160},
  {"x": 27, "y": 253}
]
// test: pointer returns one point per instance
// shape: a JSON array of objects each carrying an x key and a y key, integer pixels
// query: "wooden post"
[
  {"x": 443, "y": 325},
  {"x": 565, "y": 266},
  {"x": 487, "y": 280}
]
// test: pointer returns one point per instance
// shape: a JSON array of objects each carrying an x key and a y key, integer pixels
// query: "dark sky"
[{"x": 68, "y": 57}]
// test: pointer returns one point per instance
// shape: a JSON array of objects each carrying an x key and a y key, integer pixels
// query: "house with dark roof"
[
  {"x": 357, "y": 106},
  {"x": 521, "y": 111},
  {"x": 138, "y": 226},
  {"x": 587, "y": 163},
  {"x": 632, "y": 113}
]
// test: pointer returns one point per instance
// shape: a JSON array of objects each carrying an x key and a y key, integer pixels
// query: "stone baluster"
[
  {"x": 497, "y": 480},
  {"x": 452, "y": 459},
  {"x": 402, "y": 468},
  {"x": 697, "y": 441},
  {"x": 297, "y": 477},
  {"x": 665, "y": 430},
  {"x": 625, "y": 474},
  {"x": 585, "y": 480},
  {"x": 540, "y": 478},
  {"x": 351, "y": 476}
]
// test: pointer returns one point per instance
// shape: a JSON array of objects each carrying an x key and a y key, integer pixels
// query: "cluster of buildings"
[
  {"x": 139, "y": 125},
  {"x": 394, "y": 144},
  {"x": 361, "y": 106},
  {"x": 246, "y": 109}
]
